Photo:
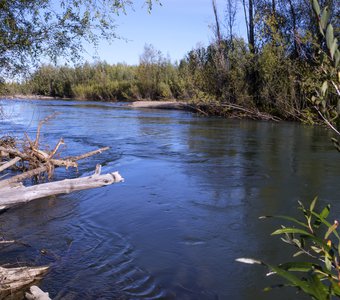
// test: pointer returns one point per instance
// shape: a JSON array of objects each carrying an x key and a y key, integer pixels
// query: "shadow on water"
[{"x": 194, "y": 190}]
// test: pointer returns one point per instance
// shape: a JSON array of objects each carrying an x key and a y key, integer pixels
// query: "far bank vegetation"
[{"x": 277, "y": 70}]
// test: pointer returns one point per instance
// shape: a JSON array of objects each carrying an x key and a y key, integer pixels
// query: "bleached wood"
[
  {"x": 9, "y": 164},
  {"x": 7, "y": 150},
  {"x": 86, "y": 155},
  {"x": 36, "y": 293},
  {"x": 15, "y": 278},
  {"x": 13, "y": 180},
  {"x": 21, "y": 194}
]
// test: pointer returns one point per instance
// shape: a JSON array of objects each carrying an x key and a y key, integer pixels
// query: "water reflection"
[{"x": 193, "y": 192}]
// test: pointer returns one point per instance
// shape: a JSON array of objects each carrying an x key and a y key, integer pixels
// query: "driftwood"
[
  {"x": 12, "y": 279},
  {"x": 37, "y": 294},
  {"x": 33, "y": 161},
  {"x": 19, "y": 194},
  {"x": 230, "y": 110}
]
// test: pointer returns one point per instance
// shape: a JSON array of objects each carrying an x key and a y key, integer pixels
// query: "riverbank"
[
  {"x": 231, "y": 111},
  {"x": 180, "y": 105},
  {"x": 30, "y": 97}
]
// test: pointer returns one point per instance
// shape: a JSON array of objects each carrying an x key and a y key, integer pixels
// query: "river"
[{"x": 194, "y": 189}]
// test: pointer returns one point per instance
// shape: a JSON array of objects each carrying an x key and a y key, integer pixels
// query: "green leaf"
[
  {"x": 335, "y": 287},
  {"x": 323, "y": 215},
  {"x": 298, "y": 266},
  {"x": 312, "y": 205},
  {"x": 316, "y": 7},
  {"x": 324, "y": 18},
  {"x": 296, "y": 281},
  {"x": 287, "y": 218},
  {"x": 297, "y": 242},
  {"x": 333, "y": 48},
  {"x": 325, "y": 222},
  {"x": 320, "y": 291},
  {"x": 291, "y": 230},
  {"x": 325, "y": 212},
  {"x": 316, "y": 249},
  {"x": 324, "y": 88},
  {"x": 337, "y": 57},
  {"x": 298, "y": 253},
  {"x": 330, "y": 230},
  {"x": 329, "y": 36},
  {"x": 328, "y": 263}
]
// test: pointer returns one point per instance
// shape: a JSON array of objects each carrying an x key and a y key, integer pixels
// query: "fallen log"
[
  {"x": 9, "y": 164},
  {"x": 10, "y": 182},
  {"x": 13, "y": 278},
  {"x": 10, "y": 196},
  {"x": 67, "y": 162}
]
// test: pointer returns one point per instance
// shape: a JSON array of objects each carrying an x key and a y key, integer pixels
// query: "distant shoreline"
[
  {"x": 169, "y": 104},
  {"x": 30, "y": 97},
  {"x": 178, "y": 105}
]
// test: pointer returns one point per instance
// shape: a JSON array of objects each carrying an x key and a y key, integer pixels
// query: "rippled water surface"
[{"x": 194, "y": 189}]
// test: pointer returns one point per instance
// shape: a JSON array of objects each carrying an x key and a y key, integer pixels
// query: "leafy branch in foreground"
[
  {"x": 327, "y": 98},
  {"x": 317, "y": 239}
]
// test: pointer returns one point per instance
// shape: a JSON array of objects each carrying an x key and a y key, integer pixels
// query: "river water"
[{"x": 194, "y": 189}]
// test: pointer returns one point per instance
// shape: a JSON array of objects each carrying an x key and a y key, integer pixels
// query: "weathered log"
[
  {"x": 15, "y": 179},
  {"x": 36, "y": 293},
  {"x": 10, "y": 196},
  {"x": 16, "y": 152},
  {"x": 15, "y": 278},
  {"x": 9, "y": 164}
]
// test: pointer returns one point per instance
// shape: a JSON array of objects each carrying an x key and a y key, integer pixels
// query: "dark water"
[{"x": 194, "y": 190}]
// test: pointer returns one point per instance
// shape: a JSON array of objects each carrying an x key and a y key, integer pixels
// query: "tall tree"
[
  {"x": 248, "y": 5},
  {"x": 33, "y": 29},
  {"x": 230, "y": 17}
]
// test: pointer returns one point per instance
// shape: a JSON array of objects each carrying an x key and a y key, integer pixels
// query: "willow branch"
[{"x": 327, "y": 122}]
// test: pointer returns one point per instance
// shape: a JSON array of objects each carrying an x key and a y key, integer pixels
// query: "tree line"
[{"x": 276, "y": 70}]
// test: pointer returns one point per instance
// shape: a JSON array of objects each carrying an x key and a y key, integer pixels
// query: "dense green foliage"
[{"x": 154, "y": 78}]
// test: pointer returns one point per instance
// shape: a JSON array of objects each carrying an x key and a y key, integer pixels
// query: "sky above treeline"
[{"x": 174, "y": 28}]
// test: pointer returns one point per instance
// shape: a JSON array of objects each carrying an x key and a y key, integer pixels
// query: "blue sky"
[{"x": 174, "y": 28}]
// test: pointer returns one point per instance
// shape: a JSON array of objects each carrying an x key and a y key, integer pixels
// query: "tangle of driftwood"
[{"x": 30, "y": 160}]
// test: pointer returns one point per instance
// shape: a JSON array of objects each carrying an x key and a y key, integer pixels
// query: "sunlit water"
[{"x": 194, "y": 189}]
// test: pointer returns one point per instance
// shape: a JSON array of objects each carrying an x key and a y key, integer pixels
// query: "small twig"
[
  {"x": 86, "y": 155},
  {"x": 41, "y": 123},
  {"x": 61, "y": 142}
]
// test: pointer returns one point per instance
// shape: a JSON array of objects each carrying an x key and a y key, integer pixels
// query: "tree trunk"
[{"x": 251, "y": 40}]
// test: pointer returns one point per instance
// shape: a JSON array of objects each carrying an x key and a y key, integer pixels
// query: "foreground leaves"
[{"x": 318, "y": 241}]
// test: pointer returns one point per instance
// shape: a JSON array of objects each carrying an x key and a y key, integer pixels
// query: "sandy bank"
[{"x": 160, "y": 104}]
